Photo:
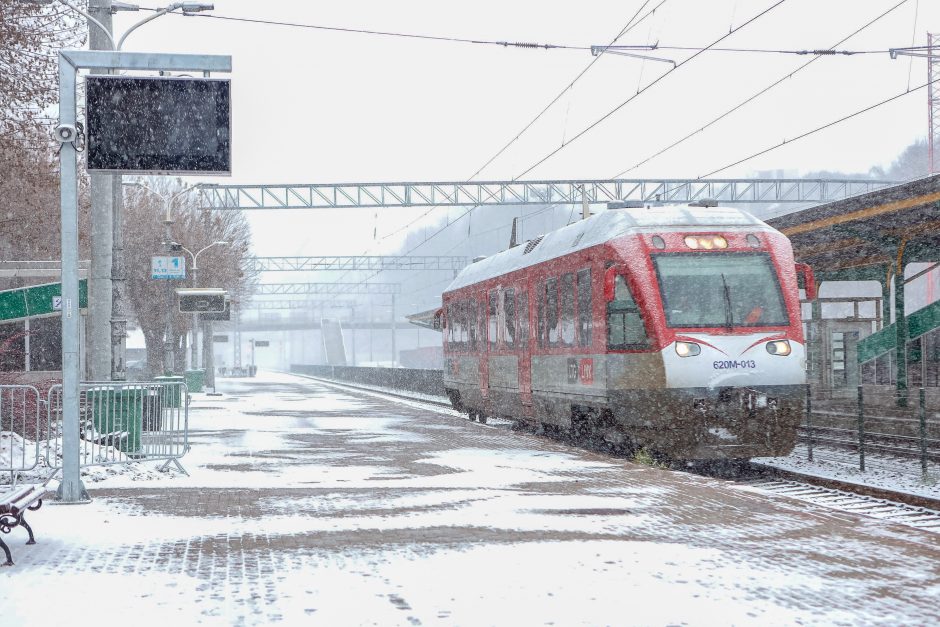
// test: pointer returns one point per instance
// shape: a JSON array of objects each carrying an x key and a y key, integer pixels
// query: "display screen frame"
[{"x": 100, "y": 88}]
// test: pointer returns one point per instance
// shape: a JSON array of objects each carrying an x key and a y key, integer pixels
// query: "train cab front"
[{"x": 721, "y": 313}]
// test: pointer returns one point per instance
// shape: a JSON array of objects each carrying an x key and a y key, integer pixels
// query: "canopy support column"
[{"x": 900, "y": 327}]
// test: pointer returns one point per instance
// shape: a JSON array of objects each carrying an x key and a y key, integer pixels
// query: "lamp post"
[
  {"x": 169, "y": 349},
  {"x": 194, "y": 352}
]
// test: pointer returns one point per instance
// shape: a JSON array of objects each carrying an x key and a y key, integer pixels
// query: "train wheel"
[{"x": 482, "y": 418}]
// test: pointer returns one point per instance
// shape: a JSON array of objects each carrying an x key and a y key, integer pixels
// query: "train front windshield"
[{"x": 720, "y": 289}]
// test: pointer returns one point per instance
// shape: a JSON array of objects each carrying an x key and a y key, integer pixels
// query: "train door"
[
  {"x": 524, "y": 352},
  {"x": 483, "y": 317}
]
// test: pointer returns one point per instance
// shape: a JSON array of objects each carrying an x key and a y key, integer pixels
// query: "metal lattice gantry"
[
  {"x": 293, "y": 305},
  {"x": 310, "y": 289},
  {"x": 373, "y": 263},
  {"x": 462, "y": 194}
]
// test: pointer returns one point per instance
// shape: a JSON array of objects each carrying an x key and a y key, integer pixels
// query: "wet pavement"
[{"x": 308, "y": 504}]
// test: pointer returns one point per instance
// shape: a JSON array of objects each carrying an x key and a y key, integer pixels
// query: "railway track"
[
  {"x": 907, "y": 447},
  {"x": 888, "y": 505}
]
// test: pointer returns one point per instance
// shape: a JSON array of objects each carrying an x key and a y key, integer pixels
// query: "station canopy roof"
[{"x": 860, "y": 237}]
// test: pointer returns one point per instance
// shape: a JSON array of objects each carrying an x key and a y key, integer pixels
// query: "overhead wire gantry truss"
[
  {"x": 309, "y": 289},
  {"x": 353, "y": 263},
  {"x": 462, "y": 194}
]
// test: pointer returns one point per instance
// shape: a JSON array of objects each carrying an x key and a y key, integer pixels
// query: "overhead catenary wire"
[
  {"x": 786, "y": 76},
  {"x": 679, "y": 65},
  {"x": 384, "y": 33},
  {"x": 723, "y": 37},
  {"x": 631, "y": 23},
  {"x": 844, "y": 118}
]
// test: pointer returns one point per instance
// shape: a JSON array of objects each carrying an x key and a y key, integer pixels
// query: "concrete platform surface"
[{"x": 309, "y": 505}]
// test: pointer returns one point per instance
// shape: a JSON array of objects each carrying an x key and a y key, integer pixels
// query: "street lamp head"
[{"x": 124, "y": 6}]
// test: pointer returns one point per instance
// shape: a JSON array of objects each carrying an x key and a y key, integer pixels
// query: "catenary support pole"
[
  {"x": 352, "y": 329},
  {"x": 394, "y": 336}
]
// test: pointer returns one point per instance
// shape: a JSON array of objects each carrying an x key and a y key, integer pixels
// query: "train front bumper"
[{"x": 701, "y": 423}]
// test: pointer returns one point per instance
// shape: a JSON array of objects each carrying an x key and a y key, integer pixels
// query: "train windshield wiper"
[{"x": 729, "y": 316}]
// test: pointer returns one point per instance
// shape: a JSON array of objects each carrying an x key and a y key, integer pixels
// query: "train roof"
[{"x": 600, "y": 228}]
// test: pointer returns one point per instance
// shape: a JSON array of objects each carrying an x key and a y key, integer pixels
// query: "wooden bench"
[{"x": 13, "y": 506}]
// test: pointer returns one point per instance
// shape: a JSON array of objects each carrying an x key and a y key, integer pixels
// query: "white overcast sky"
[{"x": 313, "y": 106}]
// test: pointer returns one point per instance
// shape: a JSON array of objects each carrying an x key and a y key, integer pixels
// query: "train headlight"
[
  {"x": 687, "y": 349},
  {"x": 779, "y": 347},
  {"x": 705, "y": 242}
]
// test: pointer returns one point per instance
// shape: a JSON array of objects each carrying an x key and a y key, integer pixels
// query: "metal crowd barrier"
[
  {"x": 119, "y": 423},
  {"x": 23, "y": 426},
  {"x": 124, "y": 422}
]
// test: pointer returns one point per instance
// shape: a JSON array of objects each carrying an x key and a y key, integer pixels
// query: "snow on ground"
[
  {"x": 305, "y": 504},
  {"x": 883, "y": 472}
]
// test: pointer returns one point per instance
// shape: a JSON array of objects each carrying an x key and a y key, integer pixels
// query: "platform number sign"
[{"x": 262, "y": 343}]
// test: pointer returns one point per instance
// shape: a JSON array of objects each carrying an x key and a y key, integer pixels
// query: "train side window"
[
  {"x": 472, "y": 324},
  {"x": 625, "y": 328},
  {"x": 551, "y": 311},
  {"x": 462, "y": 324},
  {"x": 494, "y": 296},
  {"x": 522, "y": 311},
  {"x": 585, "y": 315},
  {"x": 449, "y": 325},
  {"x": 509, "y": 318},
  {"x": 540, "y": 313},
  {"x": 481, "y": 322},
  {"x": 567, "y": 310}
]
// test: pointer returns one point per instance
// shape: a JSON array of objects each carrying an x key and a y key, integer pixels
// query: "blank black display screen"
[{"x": 159, "y": 125}]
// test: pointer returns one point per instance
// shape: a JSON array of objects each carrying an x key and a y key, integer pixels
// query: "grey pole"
[
  {"x": 394, "y": 349},
  {"x": 102, "y": 193},
  {"x": 70, "y": 489},
  {"x": 118, "y": 286},
  {"x": 352, "y": 328},
  {"x": 168, "y": 339},
  {"x": 208, "y": 354},
  {"x": 194, "y": 352}
]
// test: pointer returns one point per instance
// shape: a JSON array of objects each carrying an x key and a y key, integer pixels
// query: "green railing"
[{"x": 884, "y": 341}]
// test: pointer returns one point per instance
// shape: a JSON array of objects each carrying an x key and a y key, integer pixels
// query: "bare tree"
[
  {"x": 194, "y": 228},
  {"x": 30, "y": 36}
]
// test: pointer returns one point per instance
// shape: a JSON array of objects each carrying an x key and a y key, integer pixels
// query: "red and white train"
[{"x": 674, "y": 328}]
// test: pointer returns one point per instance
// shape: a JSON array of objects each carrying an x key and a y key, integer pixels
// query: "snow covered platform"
[{"x": 306, "y": 503}]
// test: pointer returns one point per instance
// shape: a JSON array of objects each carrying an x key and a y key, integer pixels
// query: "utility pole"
[
  {"x": 118, "y": 284},
  {"x": 194, "y": 350},
  {"x": 169, "y": 342},
  {"x": 102, "y": 196}
]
